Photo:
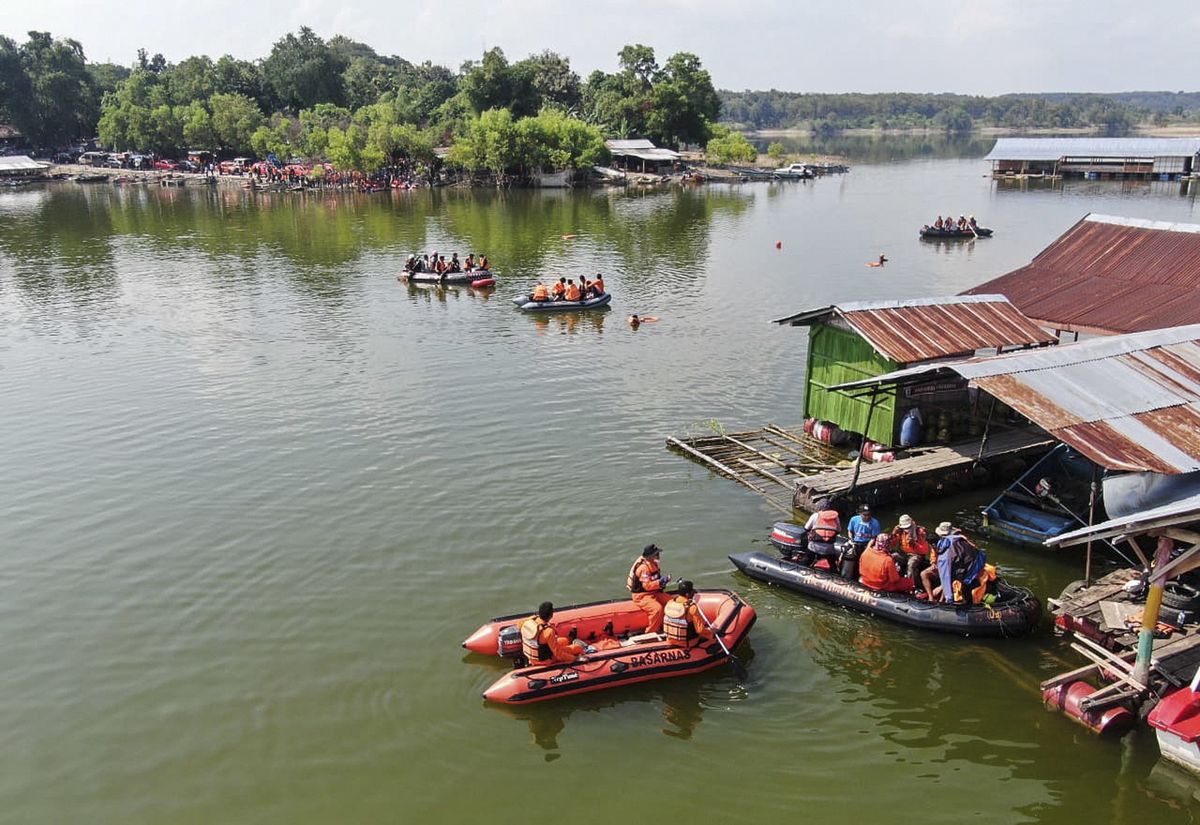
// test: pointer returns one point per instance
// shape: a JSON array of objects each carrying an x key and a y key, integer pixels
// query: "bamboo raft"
[
  {"x": 793, "y": 471},
  {"x": 1111, "y": 651}
]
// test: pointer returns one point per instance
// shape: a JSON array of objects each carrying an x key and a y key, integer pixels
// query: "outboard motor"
[
  {"x": 792, "y": 542},
  {"x": 508, "y": 642}
]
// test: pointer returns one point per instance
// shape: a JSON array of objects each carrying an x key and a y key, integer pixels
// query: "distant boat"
[
  {"x": 929, "y": 233},
  {"x": 1049, "y": 498}
]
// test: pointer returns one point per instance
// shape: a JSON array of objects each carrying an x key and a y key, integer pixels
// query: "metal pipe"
[{"x": 1141, "y": 667}]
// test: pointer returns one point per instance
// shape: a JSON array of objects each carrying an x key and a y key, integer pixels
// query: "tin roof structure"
[
  {"x": 1127, "y": 402},
  {"x": 922, "y": 329},
  {"x": 1049, "y": 149},
  {"x": 1183, "y": 511},
  {"x": 1109, "y": 274},
  {"x": 640, "y": 148},
  {"x": 20, "y": 163}
]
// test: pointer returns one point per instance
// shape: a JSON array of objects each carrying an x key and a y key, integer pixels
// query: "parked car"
[
  {"x": 166, "y": 165},
  {"x": 187, "y": 166}
]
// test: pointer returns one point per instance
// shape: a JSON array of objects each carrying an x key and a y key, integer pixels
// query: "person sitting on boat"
[
  {"x": 681, "y": 618},
  {"x": 411, "y": 264},
  {"x": 863, "y": 527},
  {"x": 560, "y": 289},
  {"x": 541, "y": 645},
  {"x": 939, "y": 223},
  {"x": 877, "y": 570},
  {"x": 962, "y": 223},
  {"x": 541, "y": 293},
  {"x": 484, "y": 263},
  {"x": 823, "y": 525},
  {"x": 573, "y": 293},
  {"x": 598, "y": 285},
  {"x": 454, "y": 265},
  {"x": 646, "y": 582},
  {"x": 971, "y": 222},
  {"x": 469, "y": 263},
  {"x": 960, "y": 566},
  {"x": 910, "y": 546}
]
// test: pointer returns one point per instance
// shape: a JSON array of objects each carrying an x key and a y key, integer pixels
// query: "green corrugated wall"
[{"x": 836, "y": 356}]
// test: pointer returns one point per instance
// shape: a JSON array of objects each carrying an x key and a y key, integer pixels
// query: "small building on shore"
[
  {"x": 21, "y": 166},
  {"x": 1108, "y": 275},
  {"x": 854, "y": 341},
  {"x": 641, "y": 155},
  {"x": 1096, "y": 158}
]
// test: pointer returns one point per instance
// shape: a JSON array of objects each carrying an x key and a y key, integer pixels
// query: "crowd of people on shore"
[
  {"x": 436, "y": 264},
  {"x": 565, "y": 289},
  {"x": 950, "y": 568}
]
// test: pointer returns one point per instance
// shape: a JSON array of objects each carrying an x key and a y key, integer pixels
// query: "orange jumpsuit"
[
  {"x": 691, "y": 612},
  {"x": 647, "y": 592},
  {"x": 562, "y": 649},
  {"x": 877, "y": 571}
]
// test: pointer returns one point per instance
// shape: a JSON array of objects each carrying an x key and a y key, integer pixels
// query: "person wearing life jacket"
[
  {"x": 454, "y": 265},
  {"x": 681, "y": 618},
  {"x": 541, "y": 645},
  {"x": 939, "y": 223},
  {"x": 411, "y": 264},
  {"x": 469, "y": 262},
  {"x": 910, "y": 546},
  {"x": 572, "y": 290},
  {"x": 598, "y": 285},
  {"x": 484, "y": 263},
  {"x": 560, "y": 289},
  {"x": 824, "y": 525},
  {"x": 541, "y": 293},
  {"x": 646, "y": 582},
  {"x": 960, "y": 564},
  {"x": 877, "y": 569}
]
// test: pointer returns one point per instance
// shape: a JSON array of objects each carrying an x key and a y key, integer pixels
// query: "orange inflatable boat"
[{"x": 624, "y": 652}]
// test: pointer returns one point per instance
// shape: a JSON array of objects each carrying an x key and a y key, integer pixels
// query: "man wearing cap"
[
  {"x": 878, "y": 571},
  {"x": 863, "y": 527},
  {"x": 910, "y": 545},
  {"x": 646, "y": 582}
]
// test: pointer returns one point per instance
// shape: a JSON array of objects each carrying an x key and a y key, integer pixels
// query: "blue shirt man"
[{"x": 863, "y": 527}]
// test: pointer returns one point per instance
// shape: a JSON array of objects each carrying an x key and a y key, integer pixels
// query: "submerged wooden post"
[
  {"x": 866, "y": 430},
  {"x": 1141, "y": 667}
]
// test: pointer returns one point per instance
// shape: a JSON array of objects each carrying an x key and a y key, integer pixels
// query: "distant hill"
[{"x": 1175, "y": 103}]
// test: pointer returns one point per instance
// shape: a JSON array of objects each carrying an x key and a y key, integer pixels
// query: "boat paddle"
[{"x": 739, "y": 670}]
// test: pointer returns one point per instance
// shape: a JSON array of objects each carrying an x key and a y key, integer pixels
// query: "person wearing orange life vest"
[
  {"x": 572, "y": 290},
  {"x": 681, "y": 618},
  {"x": 646, "y": 582},
  {"x": 877, "y": 570},
  {"x": 484, "y": 263},
  {"x": 824, "y": 525},
  {"x": 469, "y": 262},
  {"x": 598, "y": 285},
  {"x": 541, "y": 293},
  {"x": 560, "y": 289},
  {"x": 910, "y": 546},
  {"x": 541, "y": 645}
]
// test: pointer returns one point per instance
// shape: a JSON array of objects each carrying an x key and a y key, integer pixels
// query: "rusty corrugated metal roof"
[
  {"x": 1128, "y": 402},
  {"x": 923, "y": 329},
  {"x": 1111, "y": 275}
]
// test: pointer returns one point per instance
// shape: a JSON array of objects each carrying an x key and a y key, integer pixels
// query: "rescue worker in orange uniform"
[
  {"x": 541, "y": 293},
  {"x": 646, "y": 582},
  {"x": 910, "y": 546},
  {"x": 560, "y": 289},
  {"x": 682, "y": 621},
  {"x": 572, "y": 290},
  {"x": 598, "y": 285},
  {"x": 877, "y": 570},
  {"x": 542, "y": 646}
]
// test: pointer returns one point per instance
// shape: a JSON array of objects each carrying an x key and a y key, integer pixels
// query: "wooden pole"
[
  {"x": 987, "y": 427},
  {"x": 1087, "y": 565},
  {"x": 866, "y": 430},
  {"x": 1141, "y": 667}
]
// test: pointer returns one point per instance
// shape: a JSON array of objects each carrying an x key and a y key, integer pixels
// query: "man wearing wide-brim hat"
[{"x": 910, "y": 545}]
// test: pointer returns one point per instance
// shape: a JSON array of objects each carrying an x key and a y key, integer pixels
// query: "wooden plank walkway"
[
  {"x": 794, "y": 471},
  {"x": 1175, "y": 657}
]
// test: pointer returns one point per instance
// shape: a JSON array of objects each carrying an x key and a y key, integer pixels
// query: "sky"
[{"x": 984, "y": 47}]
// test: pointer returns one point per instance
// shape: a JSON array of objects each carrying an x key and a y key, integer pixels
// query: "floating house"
[
  {"x": 641, "y": 156},
  {"x": 1109, "y": 275},
  {"x": 1096, "y": 158},
  {"x": 21, "y": 166},
  {"x": 855, "y": 341}
]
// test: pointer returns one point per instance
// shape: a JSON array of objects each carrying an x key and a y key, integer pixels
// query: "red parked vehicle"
[{"x": 166, "y": 165}]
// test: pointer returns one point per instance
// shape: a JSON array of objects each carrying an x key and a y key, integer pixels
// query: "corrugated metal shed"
[
  {"x": 20, "y": 163},
  {"x": 1128, "y": 402},
  {"x": 640, "y": 148},
  {"x": 1048, "y": 149},
  {"x": 1109, "y": 274},
  {"x": 927, "y": 328}
]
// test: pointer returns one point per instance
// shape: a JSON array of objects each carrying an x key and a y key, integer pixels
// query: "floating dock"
[
  {"x": 793, "y": 471},
  {"x": 1100, "y": 620}
]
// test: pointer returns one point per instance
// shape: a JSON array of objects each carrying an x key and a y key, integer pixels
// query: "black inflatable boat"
[
  {"x": 529, "y": 305},
  {"x": 934, "y": 234}
]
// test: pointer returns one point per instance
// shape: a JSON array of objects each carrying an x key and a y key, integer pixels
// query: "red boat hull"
[{"x": 625, "y": 655}]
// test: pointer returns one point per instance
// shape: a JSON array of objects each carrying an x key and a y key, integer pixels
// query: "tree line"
[
  {"x": 340, "y": 100},
  {"x": 825, "y": 114}
]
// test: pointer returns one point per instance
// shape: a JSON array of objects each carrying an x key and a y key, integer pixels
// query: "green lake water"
[{"x": 255, "y": 492}]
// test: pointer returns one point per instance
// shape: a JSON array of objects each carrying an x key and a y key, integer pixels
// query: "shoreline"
[{"x": 1178, "y": 130}]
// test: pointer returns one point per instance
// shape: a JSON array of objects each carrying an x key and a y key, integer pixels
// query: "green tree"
[
  {"x": 776, "y": 151},
  {"x": 239, "y": 77},
  {"x": 197, "y": 126},
  {"x": 727, "y": 146},
  {"x": 684, "y": 103},
  {"x": 553, "y": 81},
  {"x": 15, "y": 89},
  {"x": 639, "y": 64},
  {"x": 235, "y": 118},
  {"x": 493, "y": 84},
  {"x": 190, "y": 79},
  {"x": 302, "y": 71},
  {"x": 954, "y": 119},
  {"x": 61, "y": 105}
]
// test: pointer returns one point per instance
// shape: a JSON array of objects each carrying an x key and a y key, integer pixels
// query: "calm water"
[{"x": 255, "y": 492}]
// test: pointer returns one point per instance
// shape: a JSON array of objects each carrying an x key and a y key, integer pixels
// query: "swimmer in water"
[{"x": 636, "y": 321}]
